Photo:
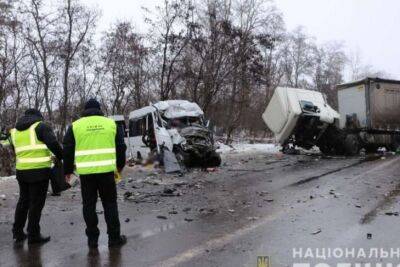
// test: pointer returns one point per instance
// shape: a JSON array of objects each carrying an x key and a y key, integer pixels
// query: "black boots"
[
  {"x": 38, "y": 239},
  {"x": 32, "y": 239},
  {"x": 113, "y": 242},
  {"x": 19, "y": 237},
  {"x": 117, "y": 242},
  {"x": 93, "y": 242}
]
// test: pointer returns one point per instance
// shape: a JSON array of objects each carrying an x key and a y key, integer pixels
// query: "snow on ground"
[
  {"x": 6, "y": 178},
  {"x": 247, "y": 148}
]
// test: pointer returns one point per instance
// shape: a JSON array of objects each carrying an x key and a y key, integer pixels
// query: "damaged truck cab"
[
  {"x": 369, "y": 117},
  {"x": 299, "y": 117},
  {"x": 174, "y": 125}
]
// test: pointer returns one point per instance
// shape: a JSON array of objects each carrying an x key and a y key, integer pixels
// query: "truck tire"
[
  {"x": 395, "y": 146},
  {"x": 325, "y": 149},
  {"x": 351, "y": 145}
]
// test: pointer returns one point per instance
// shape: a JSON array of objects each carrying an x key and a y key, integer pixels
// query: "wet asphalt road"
[{"x": 255, "y": 204}]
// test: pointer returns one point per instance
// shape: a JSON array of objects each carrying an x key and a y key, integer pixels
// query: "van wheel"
[
  {"x": 351, "y": 145},
  {"x": 182, "y": 156},
  {"x": 213, "y": 160}
]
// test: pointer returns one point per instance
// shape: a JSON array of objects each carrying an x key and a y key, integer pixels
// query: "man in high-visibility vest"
[
  {"x": 96, "y": 147},
  {"x": 34, "y": 143}
]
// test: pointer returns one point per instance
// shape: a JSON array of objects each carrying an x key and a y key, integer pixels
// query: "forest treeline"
[{"x": 226, "y": 55}]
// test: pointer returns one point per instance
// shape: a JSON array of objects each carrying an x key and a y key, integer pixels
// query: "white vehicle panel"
[{"x": 352, "y": 101}]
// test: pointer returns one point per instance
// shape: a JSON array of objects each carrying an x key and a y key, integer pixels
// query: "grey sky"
[{"x": 369, "y": 26}]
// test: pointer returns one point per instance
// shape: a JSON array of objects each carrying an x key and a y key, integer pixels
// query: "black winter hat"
[
  {"x": 33, "y": 112},
  {"x": 92, "y": 103}
]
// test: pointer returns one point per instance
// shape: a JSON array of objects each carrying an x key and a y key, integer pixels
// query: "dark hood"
[
  {"x": 26, "y": 121},
  {"x": 92, "y": 112}
]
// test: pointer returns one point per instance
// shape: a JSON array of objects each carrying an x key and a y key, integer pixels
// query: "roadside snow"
[
  {"x": 247, "y": 148},
  {"x": 6, "y": 178}
]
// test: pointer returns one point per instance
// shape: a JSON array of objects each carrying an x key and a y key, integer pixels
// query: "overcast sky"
[{"x": 369, "y": 26}]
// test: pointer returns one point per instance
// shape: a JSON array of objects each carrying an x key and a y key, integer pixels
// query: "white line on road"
[{"x": 219, "y": 241}]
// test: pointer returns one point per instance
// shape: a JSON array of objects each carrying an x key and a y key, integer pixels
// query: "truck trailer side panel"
[
  {"x": 384, "y": 106},
  {"x": 352, "y": 100},
  {"x": 376, "y": 103}
]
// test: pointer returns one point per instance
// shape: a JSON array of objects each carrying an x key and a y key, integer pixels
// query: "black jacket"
[
  {"x": 69, "y": 144},
  {"x": 44, "y": 134}
]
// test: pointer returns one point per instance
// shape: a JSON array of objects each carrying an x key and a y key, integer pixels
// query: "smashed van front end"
[{"x": 192, "y": 139}]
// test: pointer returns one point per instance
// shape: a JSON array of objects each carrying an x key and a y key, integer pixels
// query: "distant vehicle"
[
  {"x": 368, "y": 117},
  {"x": 174, "y": 125}
]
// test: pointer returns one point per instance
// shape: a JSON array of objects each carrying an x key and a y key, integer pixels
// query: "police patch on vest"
[{"x": 97, "y": 127}]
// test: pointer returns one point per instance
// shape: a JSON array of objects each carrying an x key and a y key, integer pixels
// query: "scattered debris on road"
[{"x": 317, "y": 231}]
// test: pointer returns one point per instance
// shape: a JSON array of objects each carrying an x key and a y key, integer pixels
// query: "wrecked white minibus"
[{"x": 176, "y": 126}]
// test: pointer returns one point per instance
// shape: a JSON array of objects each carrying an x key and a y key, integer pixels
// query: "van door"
[{"x": 162, "y": 136}]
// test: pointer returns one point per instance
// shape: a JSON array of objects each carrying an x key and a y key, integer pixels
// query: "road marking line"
[{"x": 218, "y": 242}]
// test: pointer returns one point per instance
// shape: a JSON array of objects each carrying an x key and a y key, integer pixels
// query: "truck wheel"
[
  {"x": 325, "y": 149},
  {"x": 395, "y": 143},
  {"x": 371, "y": 148},
  {"x": 351, "y": 145}
]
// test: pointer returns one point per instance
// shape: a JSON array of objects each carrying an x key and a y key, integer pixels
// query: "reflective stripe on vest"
[
  {"x": 94, "y": 145},
  {"x": 30, "y": 152}
]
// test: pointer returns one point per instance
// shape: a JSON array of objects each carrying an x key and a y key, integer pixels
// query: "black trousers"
[
  {"x": 102, "y": 185},
  {"x": 32, "y": 197}
]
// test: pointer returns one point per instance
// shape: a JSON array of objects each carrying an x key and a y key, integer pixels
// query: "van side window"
[{"x": 137, "y": 127}]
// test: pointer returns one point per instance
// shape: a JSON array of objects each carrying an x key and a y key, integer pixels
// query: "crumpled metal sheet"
[
  {"x": 171, "y": 164},
  {"x": 198, "y": 140}
]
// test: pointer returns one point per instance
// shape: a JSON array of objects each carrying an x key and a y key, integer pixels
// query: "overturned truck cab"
[
  {"x": 303, "y": 118},
  {"x": 176, "y": 126}
]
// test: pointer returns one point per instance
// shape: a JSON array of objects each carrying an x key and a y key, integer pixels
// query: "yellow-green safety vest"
[
  {"x": 31, "y": 153},
  {"x": 94, "y": 145}
]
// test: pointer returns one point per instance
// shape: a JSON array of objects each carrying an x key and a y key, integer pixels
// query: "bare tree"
[
  {"x": 125, "y": 60},
  {"x": 171, "y": 33},
  {"x": 330, "y": 61},
  {"x": 39, "y": 33},
  {"x": 298, "y": 58},
  {"x": 76, "y": 25}
]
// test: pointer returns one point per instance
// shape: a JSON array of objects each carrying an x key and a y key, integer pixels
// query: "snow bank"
[
  {"x": 247, "y": 148},
  {"x": 6, "y": 178}
]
